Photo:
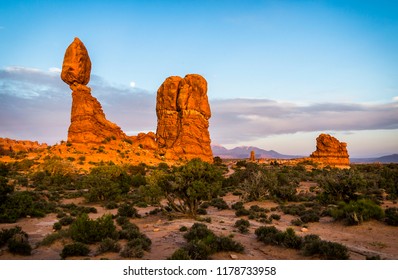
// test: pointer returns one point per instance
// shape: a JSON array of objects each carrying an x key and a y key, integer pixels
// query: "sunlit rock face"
[
  {"x": 330, "y": 151},
  {"x": 88, "y": 121},
  {"x": 183, "y": 112}
]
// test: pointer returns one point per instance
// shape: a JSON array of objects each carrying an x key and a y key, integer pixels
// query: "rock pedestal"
[
  {"x": 183, "y": 112},
  {"x": 88, "y": 121},
  {"x": 330, "y": 151}
]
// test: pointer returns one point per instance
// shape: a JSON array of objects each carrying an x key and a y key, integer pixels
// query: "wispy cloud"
[
  {"x": 240, "y": 120},
  {"x": 36, "y": 104}
]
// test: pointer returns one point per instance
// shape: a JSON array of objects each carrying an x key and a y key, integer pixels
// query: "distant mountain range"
[
  {"x": 244, "y": 152},
  {"x": 384, "y": 159}
]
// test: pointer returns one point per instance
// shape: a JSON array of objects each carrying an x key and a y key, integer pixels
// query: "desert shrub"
[
  {"x": 183, "y": 228},
  {"x": 5, "y": 189},
  {"x": 295, "y": 209},
  {"x": 258, "y": 185},
  {"x": 76, "y": 210},
  {"x": 392, "y": 216},
  {"x": 356, "y": 212},
  {"x": 22, "y": 204},
  {"x": 340, "y": 185},
  {"x": 51, "y": 238},
  {"x": 242, "y": 212},
  {"x": 67, "y": 220},
  {"x": 275, "y": 217},
  {"x": 6, "y": 234},
  {"x": 202, "y": 242},
  {"x": 19, "y": 244},
  {"x": 201, "y": 211},
  {"x": 127, "y": 210},
  {"x": 219, "y": 203},
  {"x": 326, "y": 250},
  {"x": 227, "y": 244},
  {"x": 141, "y": 204},
  {"x": 297, "y": 222},
  {"x": 106, "y": 183},
  {"x": 135, "y": 247},
  {"x": 57, "y": 226},
  {"x": 16, "y": 240},
  {"x": 111, "y": 205},
  {"x": 180, "y": 254},
  {"x": 74, "y": 249},
  {"x": 108, "y": 245},
  {"x": 121, "y": 220},
  {"x": 86, "y": 230},
  {"x": 151, "y": 192},
  {"x": 190, "y": 185},
  {"x": 272, "y": 236},
  {"x": 310, "y": 216},
  {"x": 242, "y": 225},
  {"x": 237, "y": 205}
]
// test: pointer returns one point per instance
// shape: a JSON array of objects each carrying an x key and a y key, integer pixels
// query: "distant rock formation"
[
  {"x": 252, "y": 156},
  {"x": 9, "y": 146},
  {"x": 88, "y": 121},
  {"x": 330, "y": 151},
  {"x": 183, "y": 112}
]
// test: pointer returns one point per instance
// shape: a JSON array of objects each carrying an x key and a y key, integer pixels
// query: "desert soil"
[{"x": 368, "y": 239}]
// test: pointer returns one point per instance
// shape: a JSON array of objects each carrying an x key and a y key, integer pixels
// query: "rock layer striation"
[{"x": 330, "y": 151}]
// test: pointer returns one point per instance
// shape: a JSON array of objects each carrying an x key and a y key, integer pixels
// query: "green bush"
[
  {"x": 272, "y": 236},
  {"x": 242, "y": 212},
  {"x": 108, "y": 245},
  {"x": 51, "y": 238},
  {"x": 190, "y": 185},
  {"x": 6, "y": 234},
  {"x": 19, "y": 244},
  {"x": 356, "y": 212},
  {"x": 86, "y": 230},
  {"x": 180, "y": 254},
  {"x": 127, "y": 210},
  {"x": 242, "y": 225},
  {"x": 74, "y": 249},
  {"x": 57, "y": 226},
  {"x": 67, "y": 220},
  {"x": 392, "y": 216},
  {"x": 326, "y": 250},
  {"x": 183, "y": 228},
  {"x": 201, "y": 211},
  {"x": 219, "y": 203},
  {"x": 237, "y": 205},
  {"x": 202, "y": 242}
]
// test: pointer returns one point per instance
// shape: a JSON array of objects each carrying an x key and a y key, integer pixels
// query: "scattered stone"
[
  {"x": 304, "y": 229},
  {"x": 234, "y": 257}
]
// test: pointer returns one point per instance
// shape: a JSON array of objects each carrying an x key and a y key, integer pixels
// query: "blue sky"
[{"x": 279, "y": 72}]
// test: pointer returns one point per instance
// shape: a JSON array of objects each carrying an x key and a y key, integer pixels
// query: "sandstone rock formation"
[
  {"x": 88, "y": 121},
  {"x": 252, "y": 156},
  {"x": 9, "y": 146},
  {"x": 330, "y": 151},
  {"x": 183, "y": 112}
]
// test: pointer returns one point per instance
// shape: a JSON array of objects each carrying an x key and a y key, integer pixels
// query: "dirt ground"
[{"x": 368, "y": 239}]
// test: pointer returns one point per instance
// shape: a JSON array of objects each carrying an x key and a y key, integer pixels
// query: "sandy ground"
[{"x": 367, "y": 239}]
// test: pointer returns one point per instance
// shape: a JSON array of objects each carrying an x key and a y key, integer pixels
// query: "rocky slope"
[{"x": 9, "y": 146}]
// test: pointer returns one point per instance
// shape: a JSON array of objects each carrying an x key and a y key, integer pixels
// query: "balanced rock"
[
  {"x": 183, "y": 112},
  {"x": 77, "y": 64},
  {"x": 88, "y": 121},
  {"x": 330, "y": 151}
]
